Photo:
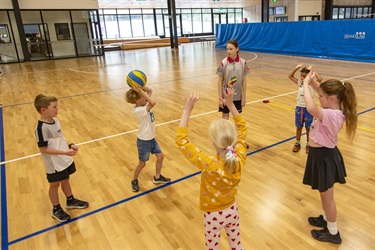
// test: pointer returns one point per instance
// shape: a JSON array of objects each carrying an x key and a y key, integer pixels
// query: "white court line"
[
  {"x": 351, "y": 78},
  {"x": 187, "y": 70},
  {"x": 135, "y": 130},
  {"x": 172, "y": 121}
]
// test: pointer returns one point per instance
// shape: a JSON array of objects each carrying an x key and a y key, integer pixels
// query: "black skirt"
[{"x": 324, "y": 167}]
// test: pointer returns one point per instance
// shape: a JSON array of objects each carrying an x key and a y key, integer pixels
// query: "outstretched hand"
[
  {"x": 309, "y": 76},
  {"x": 190, "y": 100},
  {"x": 299, "y": 65},
  {"x": 138, "y": 89},
  {"x": 228, "y": 96}
]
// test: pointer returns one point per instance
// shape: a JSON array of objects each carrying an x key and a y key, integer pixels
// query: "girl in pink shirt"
[{"x": 325, "y": 165}]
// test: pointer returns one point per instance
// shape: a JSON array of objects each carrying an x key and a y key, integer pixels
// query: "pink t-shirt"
[{"x": 325, "y": 132}]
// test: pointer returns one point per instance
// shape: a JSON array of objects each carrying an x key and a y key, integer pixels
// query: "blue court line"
[
  {"x": 4, "y": 215},
  {"x": 136, "y": 196}
]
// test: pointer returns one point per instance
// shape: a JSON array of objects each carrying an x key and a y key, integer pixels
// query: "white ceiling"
[{"x": 146, "y": 4}]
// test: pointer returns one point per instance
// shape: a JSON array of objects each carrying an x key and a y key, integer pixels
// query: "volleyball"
[{"x": 136, "y": 78}]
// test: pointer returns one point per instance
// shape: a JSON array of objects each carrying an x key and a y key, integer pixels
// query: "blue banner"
[{"x": 337, "y": 39}]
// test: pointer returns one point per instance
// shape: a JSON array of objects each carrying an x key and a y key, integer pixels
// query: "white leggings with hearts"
[{"x": 215, "y": 221}]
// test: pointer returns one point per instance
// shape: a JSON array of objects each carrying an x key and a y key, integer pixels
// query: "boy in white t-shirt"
[
  {"x": 57, "y": 156},
  {"x": 146, "y": 142},
  {"x": 302, "y": 116}
]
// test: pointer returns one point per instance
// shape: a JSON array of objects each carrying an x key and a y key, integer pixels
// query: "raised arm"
[
  {"x": 228, "y": 101},
  {"x": 291, "y": 75},
  {"x": 317, "y": 76},
  {"x": 309, "y": 100},
  {"x": 220, "y": 89},
  {"x": 146, "y": 92},
  {"x": 188, "y": 107}
]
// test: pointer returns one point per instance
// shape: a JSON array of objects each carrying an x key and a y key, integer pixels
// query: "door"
[
  {"x": 82, "y": 39},
  {"x": 38, "y": 41}
]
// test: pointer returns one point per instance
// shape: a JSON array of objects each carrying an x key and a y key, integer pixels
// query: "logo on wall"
[{"x": 357, "y": 35}]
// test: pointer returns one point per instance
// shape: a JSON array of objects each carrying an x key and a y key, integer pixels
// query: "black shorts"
[
  {"x": 324, "y": 167},
  {"x": 63, "y": 175},
  {"x": 238, "y": 105}
]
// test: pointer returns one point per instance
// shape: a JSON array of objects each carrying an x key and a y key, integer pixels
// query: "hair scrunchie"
[{"x": 230, "y": 153}]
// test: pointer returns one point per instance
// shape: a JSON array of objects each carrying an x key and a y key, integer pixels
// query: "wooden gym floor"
[{"x": 274, "y": 204}]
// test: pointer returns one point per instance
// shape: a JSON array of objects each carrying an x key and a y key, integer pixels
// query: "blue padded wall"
[{"x": 336, "y": 39}]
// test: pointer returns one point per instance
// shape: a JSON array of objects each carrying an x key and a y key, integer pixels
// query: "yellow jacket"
[{"x": 218, "y": 187}]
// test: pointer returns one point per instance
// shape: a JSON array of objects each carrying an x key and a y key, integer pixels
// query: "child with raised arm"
[
  {"x": 57, "y": 156},
  {"x": 221, "y": 172},
  {"x": 146, "y": 142},
  {"x": 325, "y": 165},
  {"x": 302, "y": 115}
]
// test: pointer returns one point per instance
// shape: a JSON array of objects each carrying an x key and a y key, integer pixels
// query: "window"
[
  {"x": 4, "y": 34},
  {"x": 62, "y": 31},
  {"x": 348, "y": 12},
  {"x": 280, "y": 10}
]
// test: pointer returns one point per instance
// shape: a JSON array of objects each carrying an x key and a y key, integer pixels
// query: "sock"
[
  {"x": 298, "y": 141},
  {"x": 332, "y": 227},
  {"x": 324, "y": 215},
  {"x": 70, "y": 198},
  {"x": 57, "y": 207}
]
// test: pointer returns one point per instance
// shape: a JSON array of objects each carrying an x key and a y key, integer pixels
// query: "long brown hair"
[{"x": 348, "y": 101}]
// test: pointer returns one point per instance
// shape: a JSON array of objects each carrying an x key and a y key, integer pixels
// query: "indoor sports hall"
[{"x": 273, "y": 203}]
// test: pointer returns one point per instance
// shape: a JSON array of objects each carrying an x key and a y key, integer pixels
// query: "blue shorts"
[
  {"x": 145, "y": 148},
  {"x": 303, "y": 117}
]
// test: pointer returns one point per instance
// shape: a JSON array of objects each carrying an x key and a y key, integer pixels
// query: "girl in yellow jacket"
[{"x": 221, "y": 173}]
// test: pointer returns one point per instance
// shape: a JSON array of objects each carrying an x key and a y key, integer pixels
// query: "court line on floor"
[
  {"x": 135, "y": 130},
  {"x": 144, "y": 193},
  {"x": 3, "y": 198}
]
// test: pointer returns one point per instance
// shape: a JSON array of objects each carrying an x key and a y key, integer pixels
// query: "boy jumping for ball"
[
  {"x": 146, "y": 143},
  {"x": 57, "y": 156}
]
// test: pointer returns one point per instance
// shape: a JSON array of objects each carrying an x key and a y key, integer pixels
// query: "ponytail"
[
  {"x": 231, "y": 160},
  {"x": 224, "y": 135},
  {"x": 349, "y": 105},
  {"x": 348, "y": 101}
]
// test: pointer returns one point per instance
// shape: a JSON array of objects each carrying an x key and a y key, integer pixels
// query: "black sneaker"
[
  {"x": 161, "y": 179},
  {"x": 135, "y": 186},
  {"x": 75, "y": 203},
  {"x": 317, "y": 221},
  {"x": 325, "y": 236},
  {"x": 60, "y": 215}
]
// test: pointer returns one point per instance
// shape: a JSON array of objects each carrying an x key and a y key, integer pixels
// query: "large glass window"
[
  {"x": 112, "y": 27},
  {"x": 137, "y": 25},
  {"x": 125, "y": 26},
  {"x": 7, "y": 42},
  {"x": 197, "y": 21},
  {"x": 348, "y": 12},
  {"x": 187, "y": 24},
  {"x": 149, "y": 24},
  {"x": 160, "y": 25},
  {"x": 126, "y": 23}
]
